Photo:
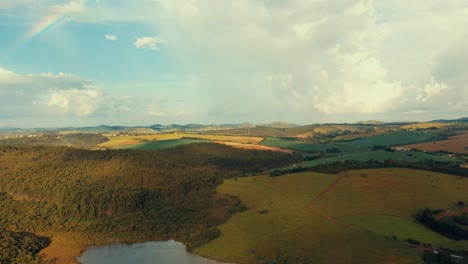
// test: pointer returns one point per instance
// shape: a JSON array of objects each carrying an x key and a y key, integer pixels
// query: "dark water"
[{"x": 162, "y": 252}]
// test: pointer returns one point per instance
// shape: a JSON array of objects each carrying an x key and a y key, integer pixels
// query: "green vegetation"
[
  {"x": 361, "y": 216},
  {"x": 392, "y": 139},
  {"x": 301, "y": 145},
  {"x": 124, "y": 194},
  {"x": 163, "y": 144},
  {"x": 408, "y": 156},
  {"x": 453, "y": 224},
  {"x": 18, "y": 248},
  {"x": 79, "y": 140}
]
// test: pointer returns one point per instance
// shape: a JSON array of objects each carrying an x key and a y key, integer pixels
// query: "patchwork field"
[
  {"x": 425, "y": 125},
  {"x": 455, "y": 144},
  {"x": 408, "y": 156},
  {"x": 121, "y": 141},
  {"x": 313, "y": 217},
  {"x": 162, "y": 144},
  {"x": 392, "y": 139},
  {"x": 301, "y": 145},
  {"x": 359, "y": 144}
]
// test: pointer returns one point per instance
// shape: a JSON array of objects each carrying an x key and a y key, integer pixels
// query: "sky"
[{"x": 144, "y": 62}]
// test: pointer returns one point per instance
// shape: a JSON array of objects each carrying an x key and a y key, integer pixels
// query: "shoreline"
[{"x": 63, "y": 254}]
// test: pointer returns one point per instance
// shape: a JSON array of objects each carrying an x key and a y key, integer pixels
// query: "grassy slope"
[
  {"x": 360, "y": 206},
  {"x": 120, "y": 141},
  {"x": 301, "y": 146},
  {"x": 162, "y": 144},
  {"x": 392, "y": 139},
  {"x": 409, "y": 156},
  {"x": 388, "y": 139}
]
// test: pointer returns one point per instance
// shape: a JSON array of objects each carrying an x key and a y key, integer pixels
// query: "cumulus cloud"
[
  {"x": 83, "y": 102},
  {"x": 47, "y": 94},
  {"x": 306, "y": 60},
  {"x": 110, "y": 37},
  {"x": 431, "y": 89},
  {"x": 150, "y": 43}
]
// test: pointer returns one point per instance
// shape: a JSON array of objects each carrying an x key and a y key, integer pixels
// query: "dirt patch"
[
  {"x": 455, "y": 144},
  {"x": 252, "y": 146},
  {"x": 451, "y": 213}
]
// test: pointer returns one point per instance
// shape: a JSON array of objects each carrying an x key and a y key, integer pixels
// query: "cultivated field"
[
  {"x": 359, "y": 216},
  {"x": 455, "y": 144},
  {"x": 425, "y": 125},
  {"x": 252, "y": 146},
  {"x": 120, "y": 141},
  {"x": 408, "y": 156},
  {"x": 302, "y": 146},
  {"x": 162, "y": 144},
  {"x": 392, "y": 139}
]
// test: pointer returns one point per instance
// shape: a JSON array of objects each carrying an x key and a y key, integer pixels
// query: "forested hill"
[{"x": 126, "y": 194}]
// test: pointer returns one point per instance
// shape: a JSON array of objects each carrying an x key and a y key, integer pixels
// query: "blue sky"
[{"x": 91, "y": 62}]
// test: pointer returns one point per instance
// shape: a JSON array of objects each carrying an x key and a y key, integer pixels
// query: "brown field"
[
  {"x": 66, "y": 247},
  {"x": 252, "y": 146},
  {"x": 455, "y": 144},
  {"x": 120, "y": 141},
  {"x": 356, "y": 136},
  {"x": 425, "y": 125}
]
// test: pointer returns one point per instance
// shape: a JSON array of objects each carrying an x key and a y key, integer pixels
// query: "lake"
[{"x": 161, "y": 252}]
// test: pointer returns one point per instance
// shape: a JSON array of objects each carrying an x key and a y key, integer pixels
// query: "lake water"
[{"x": 162, "y": 252}]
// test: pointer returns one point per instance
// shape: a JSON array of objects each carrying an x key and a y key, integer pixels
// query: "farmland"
[
  {"x": 301, "y": 145},
  {"x": 456, "y": 144},
  {"x": 162, "y": 144},
  {"x": 312, "y": 217},
  {"x": 409, "y": 156},
  {"x": 127, "y": 140},
  {"x": 392, "y": 139}
]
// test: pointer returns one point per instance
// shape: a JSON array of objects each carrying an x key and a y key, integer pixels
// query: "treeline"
[
  {"x": 127, "y": 194},
  {"x": 79, "y": 140},
  {"x": 341, "y": 166},
  {"x": 18, "y": 248},
  {"x": 429, "y": 165},
  {"x": 449, "y": 226}
]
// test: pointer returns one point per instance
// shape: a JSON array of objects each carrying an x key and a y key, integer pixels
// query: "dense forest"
[
  {"x": 453, "y": 223},
  {"x": 125, "y": 194},
  {"x": 21, "y": 247},
  {"x": 78, "y": 140}
]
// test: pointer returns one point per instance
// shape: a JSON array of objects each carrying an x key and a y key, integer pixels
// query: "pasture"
[
  {"x": 359, "y": 216},
  {"x": 301, "y": 145},
  {"x": 162, "y": 144},
  {"x": 121, "y": 141},
  {"x": 408, "y": 156},
  {"x": 391, "y": 139},
  {"x": 455, "y": 144}
]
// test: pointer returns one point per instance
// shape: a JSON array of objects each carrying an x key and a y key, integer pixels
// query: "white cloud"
[
  {"x": 111, "y": 37},
  {"x": 157, "y": 113},
  {"x": 431, "y": 89},
  {"x": 82, "y": 102},
  {"x": 305, "y": 59},
  {"x": 151, "y": 43},
  {"x": 47, "y": 94}
]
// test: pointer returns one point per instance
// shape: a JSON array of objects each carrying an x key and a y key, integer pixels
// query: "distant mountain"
[
  {"x": 279, "y": 125},
  {"x": 8, "y": 129},
  {"x": 370, "y": 122},
  {"x": 235, "y": 126},
  {"x": 460, "y": 120}
]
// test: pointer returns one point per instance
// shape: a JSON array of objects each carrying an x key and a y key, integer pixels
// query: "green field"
[
  {"x": 408, "y": 156},
  {"x": 392, "y": 139},
  {"x": 344, "y": 218},
  {"x": 163, "y": 144},
  {"x": 389, "y": 139},
  {"x": 302, "y": 146}
]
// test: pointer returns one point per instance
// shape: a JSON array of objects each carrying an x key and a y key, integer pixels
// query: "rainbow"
[{"x": 57, "y": 15}]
